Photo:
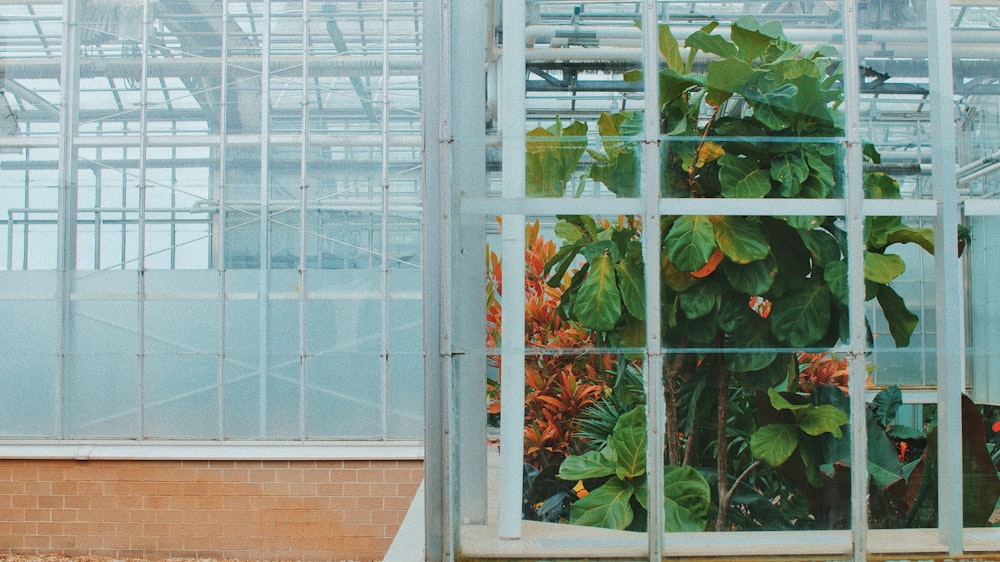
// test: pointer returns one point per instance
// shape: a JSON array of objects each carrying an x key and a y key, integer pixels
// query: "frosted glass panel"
[
  {"x": 102, "y": 395},
  {"x": 406, "y": 396},
  {"x": 344, "y": 395},
  {"x": 242, "y": 396},
  {"x": 181, "y": 396},
  {"x": 29, "y": 402},
  {"x": 284, "y": 392}
]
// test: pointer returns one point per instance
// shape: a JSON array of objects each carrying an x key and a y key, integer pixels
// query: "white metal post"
[
  {"x": 655, "y": 407},
  {"x": 264, "y": 246},
  {"x": 950, "y": 332},
  {"x": 512, "y": 122},
  {"x": 67, "y": 212},
  {"x": 854, "y": 193},
  {"x": 304, "y": 224}
]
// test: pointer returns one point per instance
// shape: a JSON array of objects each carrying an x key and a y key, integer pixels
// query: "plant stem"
[
  {"x": 722, "y": 445},
  {"x": 690, "y": 447},
  {"x": 724, "y": 498}
]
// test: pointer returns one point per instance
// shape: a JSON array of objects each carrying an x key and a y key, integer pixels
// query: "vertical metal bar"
[
  {"x": 303, "y": 224},
  {"x": 854, "y": 192},
  {"x": 67, "y": 206},
  {"x": 655, "y": 407},
  {"x": 950, "y": 338},
  {"x": 265, "y": 218},
  {"x": 143, "y": 147},
  {"x": 98, "y": 187},
  {"x": 435, "y": 73},
  {"x": 468, "y": 158},
  {"x": 220, "y": 232},
  {"x": 512, "y": 123},
  {"x": 384, "y": 249}
]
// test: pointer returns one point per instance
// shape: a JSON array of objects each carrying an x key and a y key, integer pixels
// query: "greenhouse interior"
[{"x": 749, "y": 242}]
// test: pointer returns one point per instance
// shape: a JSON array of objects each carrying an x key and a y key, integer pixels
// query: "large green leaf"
[
  {"x": 750, "y": 348},
  {"x": 754, "y": 278},
  {"x": 741, "y": 239},
  {"x": 835, "y": 276},
  {"x": 704, "y": 40},
  {"x": 690, "y": 242},
  {"x": 802, "y": 316},
  {"x": 592, "y": 464},
  {"x": 774, "y": 443},
  {"x": 750, "y": 41},
  {"x": 776, "y": 108},
  {"x": 790, "y": 170},
  {"x": 633, "y": 287},
  {"x": 628, "y": 441},
  {"x": 699, "y": 300},
  {"x": 883, "y": 268},
  {"x": 552, "y": 157},
  {"x": 607, "y": 506},
  {"x": 726, "y": 77},
  {"x": 618, "y": 168},
  {"x": 924, "y": 237},
  {"x": 818, "y": 420},
  {"x": 670, "y": 49},
  {"x": 687, "y": 498},
  {"x": 742, "y": 178},
  {"x": 599, "y": 302},
  {"x": 901, "y": 321},
  {"x": 780, "y": 402}
]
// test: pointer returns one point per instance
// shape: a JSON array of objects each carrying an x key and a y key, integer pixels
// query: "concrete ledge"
[{"x": 212, "y": 450}]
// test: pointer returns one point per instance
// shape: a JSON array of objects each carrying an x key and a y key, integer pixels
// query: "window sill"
[{"x": 213, "y": 450}]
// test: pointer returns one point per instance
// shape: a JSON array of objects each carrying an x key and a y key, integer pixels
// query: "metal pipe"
[
  {"x": 384, "y": 248},
  {"x": 263, "y": 245}
]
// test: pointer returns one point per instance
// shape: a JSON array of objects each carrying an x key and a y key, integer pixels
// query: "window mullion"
[{"x": 512, "y": 122}]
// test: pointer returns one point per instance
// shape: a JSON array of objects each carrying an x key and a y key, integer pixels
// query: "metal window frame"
[{"x": 944, "y": 208}]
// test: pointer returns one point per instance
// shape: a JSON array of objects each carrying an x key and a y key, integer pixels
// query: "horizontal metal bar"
[{"x": 212, "y": 450}]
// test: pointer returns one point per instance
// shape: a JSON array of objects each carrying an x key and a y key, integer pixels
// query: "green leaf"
[
  {"x": 883, "y": 268},
  {"x": 690, "y": 242},
  {"x": 880, "y": 186},
  {"x": 742, "y": 178},
  {"x": 568, "y": 231},
  {"x": 774, "y": 443},
  {"x": 687, "y": 498},
  {"x": 552, "y": 157},
  {"x": 592, "y": 464},
  {"x": 779, "y": 402},
  {"x": 619, "y": 169},
  {"x": 754, "y": 278},
  {"x": 924, "y": 237},
  {"x": 598, "y": 302},
  {"x": 901, "y": 321},
  {"x": 742, "y": 347},
  {"x": 818, "y": 420},
  {"x": 726, "y": 77},
  {"x": 751, "y": 43},
  {"x": 775, "y": 109},
  {"x": 607, "y": 506},
  {"x": 790, "y": 170},
  {"x": 633, "y": 287},
  {"x": 886, "y": 404},
  {"x": 742, "y": 240},
  {"x": 669, "y": 48},
  {"x": 704, "y": 40},
  {"x": 628, "y": 441},
  {"x": 700, "y": 300},
  {"x": 835, "y": 276},
  {"x": 802, "y": 316}
]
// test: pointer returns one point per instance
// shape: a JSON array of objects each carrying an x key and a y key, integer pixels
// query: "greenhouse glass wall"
[
  {"x": 622, "y": 274},
  {"x": 738, "y": 266}
]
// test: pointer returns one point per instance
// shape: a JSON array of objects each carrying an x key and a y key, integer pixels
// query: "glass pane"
[
  {"x": 344, "y": 395},
  {"x": 181, "y": 396}
]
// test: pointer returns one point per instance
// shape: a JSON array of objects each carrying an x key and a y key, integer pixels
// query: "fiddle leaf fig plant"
[{"x": 760, "y": 121}]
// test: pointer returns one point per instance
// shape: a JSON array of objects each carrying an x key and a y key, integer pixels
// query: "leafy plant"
[
  {"x": 746, "y": 285},
  {"x": 622, "y": 460},
  {"x": 559, "y": 387}
]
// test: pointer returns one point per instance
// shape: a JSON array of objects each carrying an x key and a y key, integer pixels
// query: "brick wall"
[{"x": 312, "y": 510}]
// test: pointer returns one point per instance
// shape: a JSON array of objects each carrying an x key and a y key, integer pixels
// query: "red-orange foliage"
[{"x": 559, "y": 384}]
